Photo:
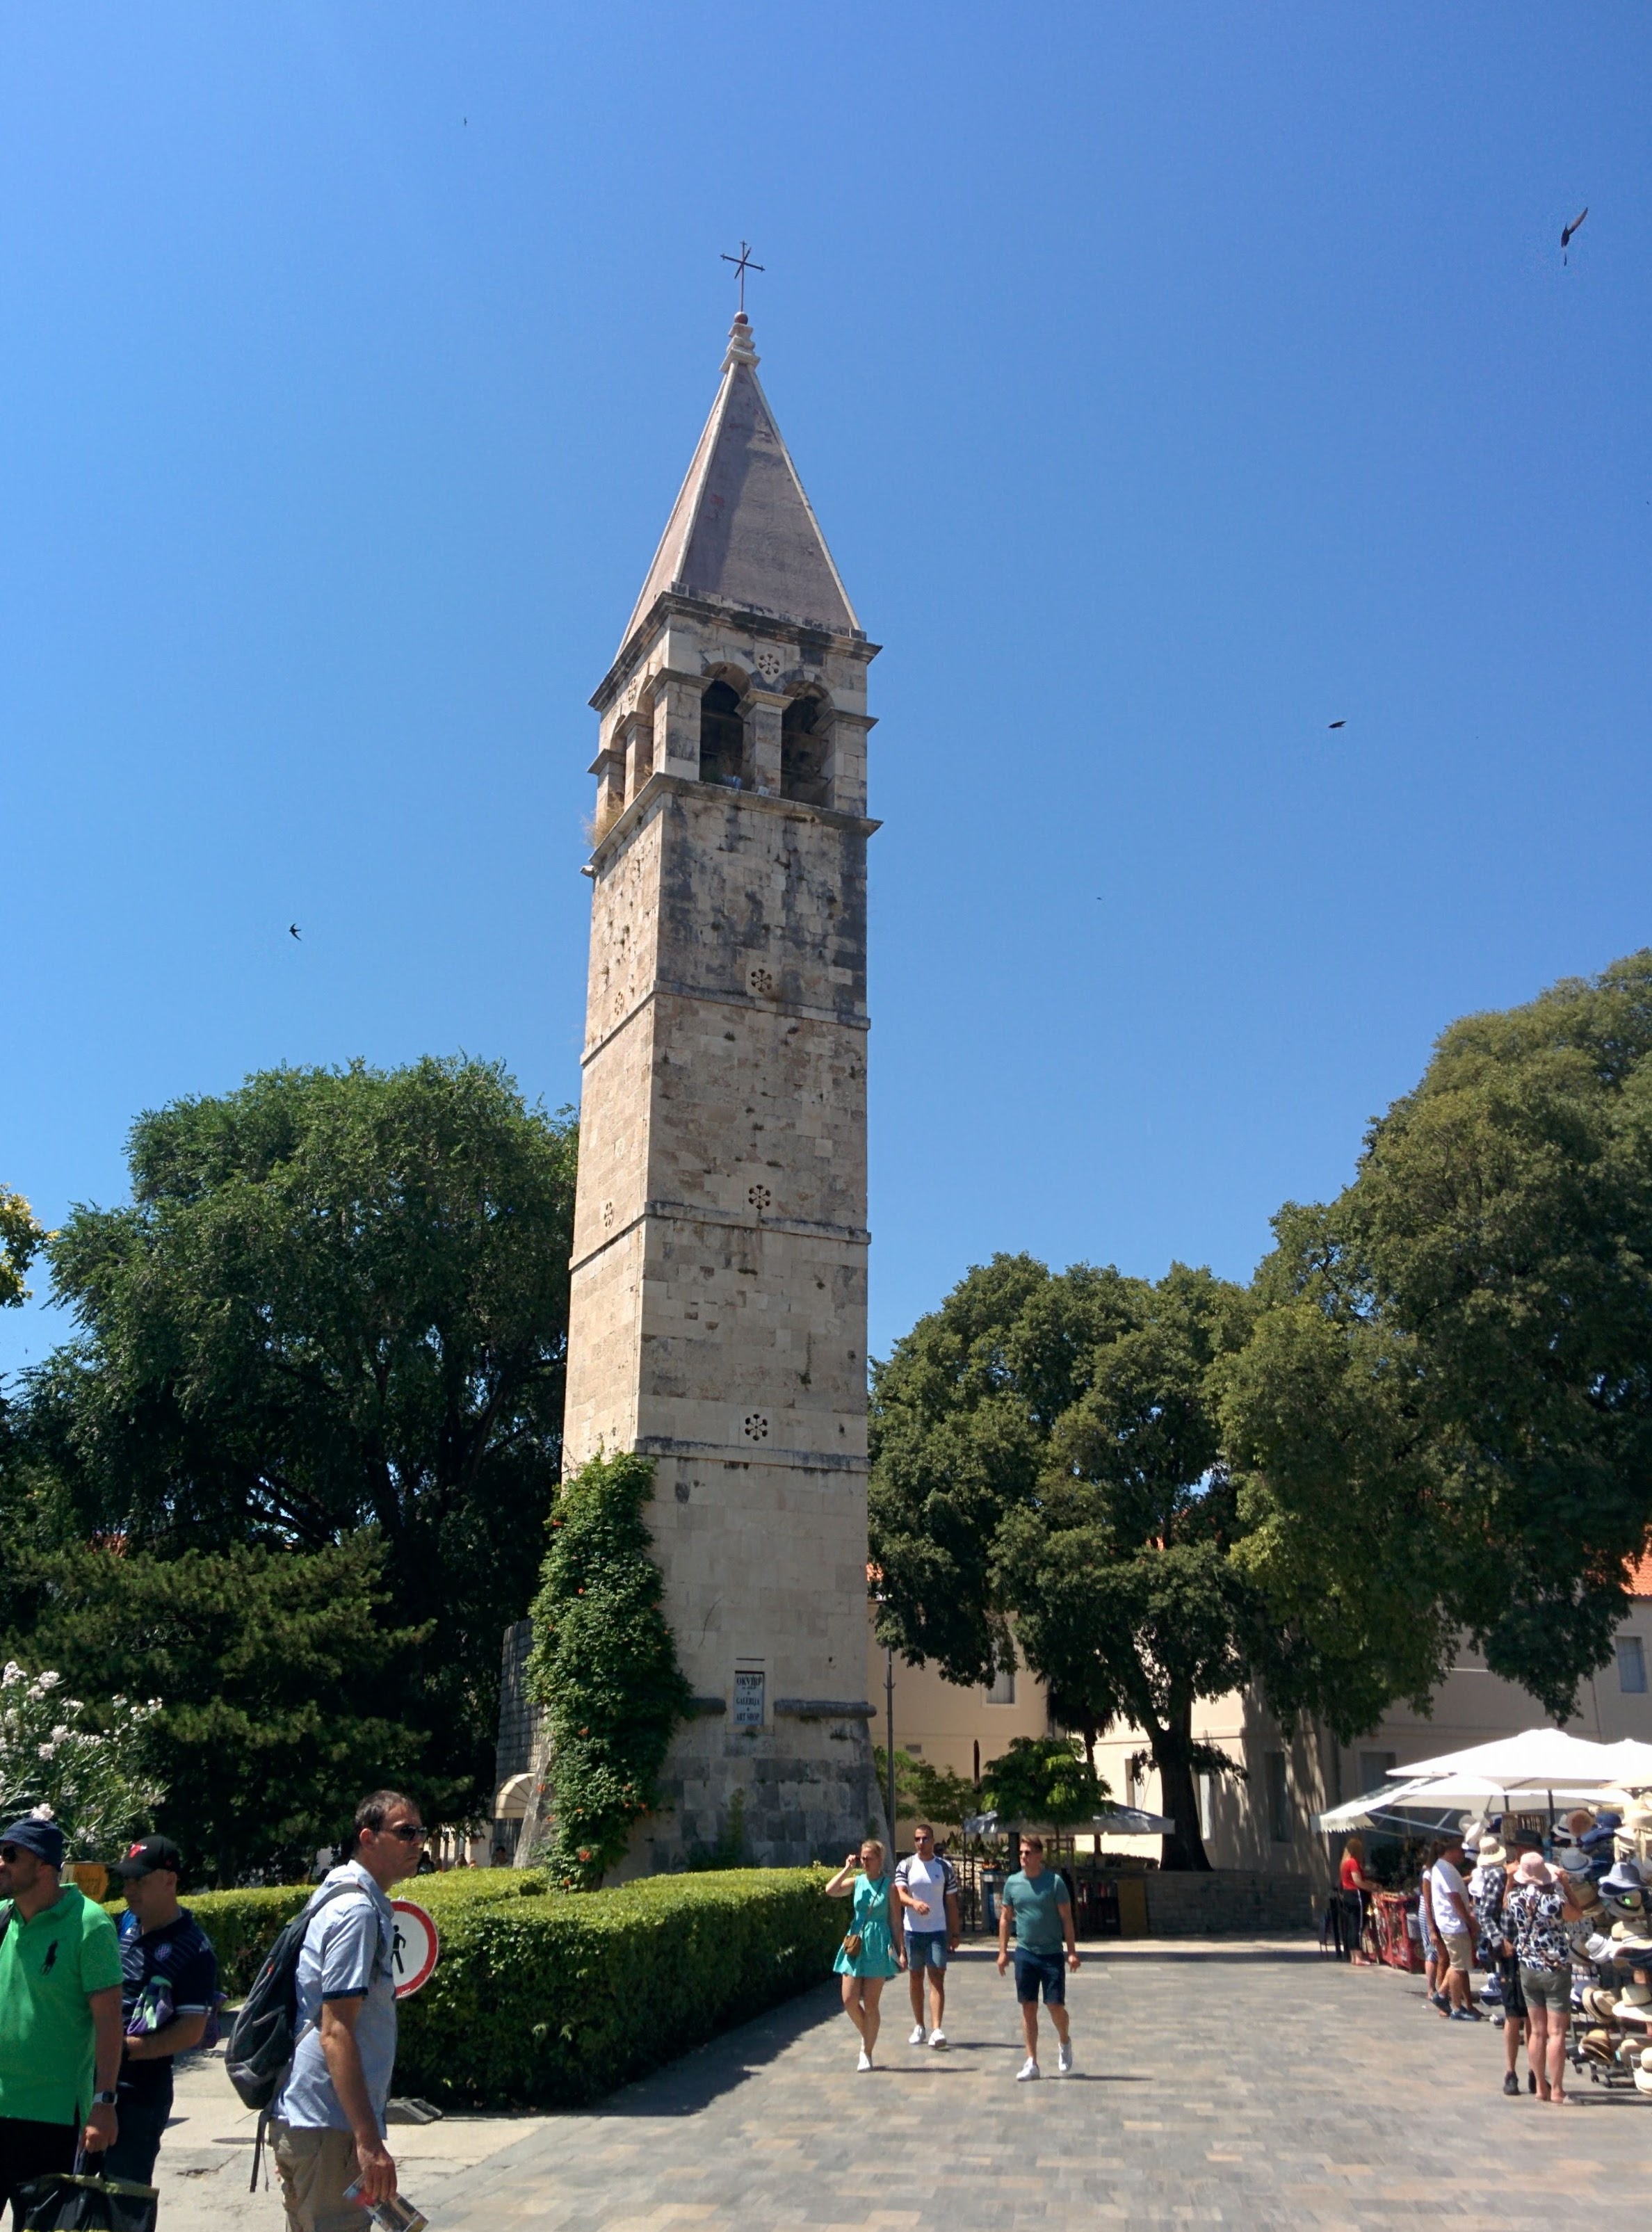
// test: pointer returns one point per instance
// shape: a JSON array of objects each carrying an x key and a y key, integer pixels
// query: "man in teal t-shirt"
[
  {"x": 60, "y": 2013},
  {"x": 1037, "y": 1902}
]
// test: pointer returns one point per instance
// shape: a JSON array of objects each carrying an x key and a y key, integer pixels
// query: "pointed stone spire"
[{"x": 741, "y": 531}]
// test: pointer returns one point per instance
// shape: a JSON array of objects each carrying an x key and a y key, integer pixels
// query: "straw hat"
[
  {"x": 1596, "y": 2047},
  {"x": 1635, "y": 2000},
  {"x": 1599, "y": 2001},
  {"x": 1642, "y": 2079},
  {"x": 1646, "y": 2057},
  {"x": 1492, "y": 1854}
]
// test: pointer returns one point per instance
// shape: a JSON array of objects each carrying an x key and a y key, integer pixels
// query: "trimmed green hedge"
[
  {"x": 245, "y": 1924},
  {"x": 549, "y": 1998}
]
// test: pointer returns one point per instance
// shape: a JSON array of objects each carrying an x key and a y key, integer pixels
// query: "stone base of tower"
[{"x": 772, "y": 1798}]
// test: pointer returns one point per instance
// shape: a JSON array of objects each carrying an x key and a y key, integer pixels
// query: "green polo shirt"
[{"x": 46, "y": 1969}]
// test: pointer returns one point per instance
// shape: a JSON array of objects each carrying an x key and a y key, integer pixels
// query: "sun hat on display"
[
  {"x": 1624, "y": 1879},
  {"x": 1600, "y": 1949},
  {"x": 1575, "y": 1863},
  {"x": 1635, "y": 1948},
  {"x": 1596, "y": 2046},
  {"x": 1646, "y": 2057},
  {"x": 1634, "y": 2004},
  {"x": 1642, "y": 2079}
]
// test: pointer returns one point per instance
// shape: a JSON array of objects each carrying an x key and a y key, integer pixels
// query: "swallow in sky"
[
  {"x": 1567, "y": 231},
  {"x": 292, "y": 931},
  {"x": 1339, "y": 724}
]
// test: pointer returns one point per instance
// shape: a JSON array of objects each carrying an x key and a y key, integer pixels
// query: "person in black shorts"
[{"x": 169, "y": 1990}]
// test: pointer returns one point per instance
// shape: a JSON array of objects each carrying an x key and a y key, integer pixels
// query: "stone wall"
[{"x": 1227, "y": 1902}]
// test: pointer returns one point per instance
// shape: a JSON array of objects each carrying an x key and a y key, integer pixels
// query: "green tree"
[
  {"x": 604, "y": 1665},
  {"x": 1457, "y": 1359},
  {"x": 275, "y": 1675},
  {"x": 1046, "y": 1460},
  {"x": 1044, "y": 1782},
  {"x": 21, "y": 1240},
  {"x": 338, "y": 1300},
  {"x": 924, "y": 1792}
]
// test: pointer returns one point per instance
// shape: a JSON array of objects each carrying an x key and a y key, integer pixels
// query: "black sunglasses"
[
  {"x": 10, "y": 1853},
  {"x": 411, "y": 1832}
]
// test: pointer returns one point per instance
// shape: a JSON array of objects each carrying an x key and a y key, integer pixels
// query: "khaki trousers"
[{"x": 315, "y": 2168}]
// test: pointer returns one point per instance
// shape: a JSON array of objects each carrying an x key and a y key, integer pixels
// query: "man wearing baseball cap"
[
  {"x": 169, "y": 1988},
  {"x": 60, "y": 2013}
]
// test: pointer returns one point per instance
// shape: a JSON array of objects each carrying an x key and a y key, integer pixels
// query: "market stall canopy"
[
  {"x": 1416, "y": 1803},
  {"x": 1537, "y": 1759}
]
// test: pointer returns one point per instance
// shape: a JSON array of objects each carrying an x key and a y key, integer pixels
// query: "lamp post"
[{"x": 889, "y": 1741}]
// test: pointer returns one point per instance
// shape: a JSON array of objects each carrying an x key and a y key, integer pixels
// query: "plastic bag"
[{"x": 76, "y": 2202}]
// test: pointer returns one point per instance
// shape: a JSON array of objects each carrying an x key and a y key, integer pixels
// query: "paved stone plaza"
[{"x": 1220, "y": 2083}]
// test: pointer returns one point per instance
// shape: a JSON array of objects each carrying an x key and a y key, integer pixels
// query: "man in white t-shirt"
[
  {"x": 927, "y": 1888},
  {"x": 1455, "y": 1923}
]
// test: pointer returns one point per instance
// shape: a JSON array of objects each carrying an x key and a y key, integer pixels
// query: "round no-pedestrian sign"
[{"x": 416, "y": 1947}]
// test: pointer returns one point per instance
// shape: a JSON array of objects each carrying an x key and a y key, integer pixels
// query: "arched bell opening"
[
  {"x": 723, "y": 735},
  {"x": 803, "y": 751}
]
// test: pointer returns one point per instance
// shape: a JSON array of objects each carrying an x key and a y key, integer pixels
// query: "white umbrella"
[
  {"x": 1131, "y": 1822},
  {"x": 1634, "y": 1763},
  {"x": 1537, "y": 1759}
]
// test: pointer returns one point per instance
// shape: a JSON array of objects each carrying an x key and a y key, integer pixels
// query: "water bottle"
[{"x": 395, "y": 2215}]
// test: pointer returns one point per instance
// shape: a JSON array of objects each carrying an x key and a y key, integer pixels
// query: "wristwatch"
[{"x": 104, "y": 2099}]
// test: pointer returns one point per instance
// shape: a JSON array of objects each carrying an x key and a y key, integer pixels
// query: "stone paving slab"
[
  {"x": 1217, "y": 2084},
  {"x": 1250, "y": 2085}
]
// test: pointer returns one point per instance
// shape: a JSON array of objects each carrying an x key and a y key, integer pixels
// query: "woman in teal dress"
[{"x": 881, "y": 1953}]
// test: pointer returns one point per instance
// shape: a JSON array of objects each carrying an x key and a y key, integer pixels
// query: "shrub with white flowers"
[{"x": 85, "y": 1772}]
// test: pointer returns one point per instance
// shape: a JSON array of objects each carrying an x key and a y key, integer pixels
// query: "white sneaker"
[
  {"x": 917, "y": 2039},
  {"x": 937, "y": 2039},
  {"x": 1028, "y": 2068},
  {"x": 865, "y": 2062},
  {"x": 1064, "y": 2061}
]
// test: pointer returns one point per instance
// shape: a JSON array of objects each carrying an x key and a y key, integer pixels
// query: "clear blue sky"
[{"x": 1171, "y": 383}]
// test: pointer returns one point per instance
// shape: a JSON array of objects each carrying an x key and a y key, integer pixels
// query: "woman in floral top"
[{"x": 1536, "y": 1909}]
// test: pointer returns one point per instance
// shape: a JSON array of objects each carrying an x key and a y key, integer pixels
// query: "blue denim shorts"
[
  {"x": 1048, "y": 1969},
  {"x": 926, "y": 1948}
]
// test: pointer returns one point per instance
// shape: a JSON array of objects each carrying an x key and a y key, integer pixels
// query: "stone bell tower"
[{"x": 718, "y": 1317}]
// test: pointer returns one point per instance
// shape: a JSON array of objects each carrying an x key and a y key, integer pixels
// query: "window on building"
[
  {"x": 803, "y": 752},
  {"x": 1002, "y": 1688},
  {"x": 1207, "y": 1806},
  {"x": 723, "y": 735},
  {"x": 1278, "y": 1799},
  {"x": 1374, "y": 1769},
  {"x": 1631, "y": 1666}
]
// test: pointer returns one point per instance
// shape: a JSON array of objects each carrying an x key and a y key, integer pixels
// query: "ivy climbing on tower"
[{"x": 604, "y": 1665}]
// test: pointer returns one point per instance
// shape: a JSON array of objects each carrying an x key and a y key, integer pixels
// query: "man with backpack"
[
  {"x": 327, "y": 2119},
  {"x": 168, "y": 1997}
]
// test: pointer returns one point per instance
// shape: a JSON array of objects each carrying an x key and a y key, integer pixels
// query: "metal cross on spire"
[{"x": 743, "y": 263}]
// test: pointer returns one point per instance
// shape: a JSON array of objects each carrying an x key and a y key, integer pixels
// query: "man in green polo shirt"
[{"x": 60, "y": 2013}]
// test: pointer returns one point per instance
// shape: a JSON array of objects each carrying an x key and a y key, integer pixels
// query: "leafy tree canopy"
[
  {"x": 279, "y": 1675},
  {"x": 20, "y": 1239},
  {"x": 338, "y": 1300},
  {"x": 1047, "y": 1461},
  {"x": 1044, "y": 1782},
  {"x": 1457, "y": 1359},
  {"x": 924, "y": 1792}
]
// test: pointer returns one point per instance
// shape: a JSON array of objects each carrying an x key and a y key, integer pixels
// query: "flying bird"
[
  {"x": 292, "y": 931},
  {"x": 1338, "y": 724},
  {"x": 1567, "y": 231}
]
